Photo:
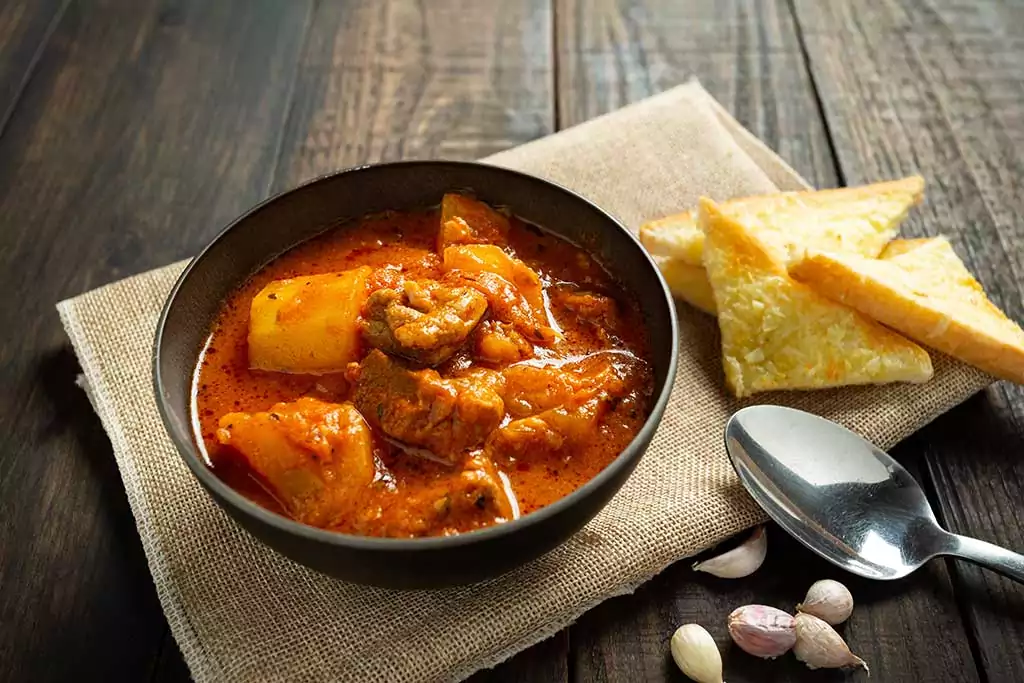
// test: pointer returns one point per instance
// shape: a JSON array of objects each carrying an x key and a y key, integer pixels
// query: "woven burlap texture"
[{"x": 241, "y": 612}]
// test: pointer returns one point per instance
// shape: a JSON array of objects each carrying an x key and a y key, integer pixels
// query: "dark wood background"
[{"x": 132, "y": 130}]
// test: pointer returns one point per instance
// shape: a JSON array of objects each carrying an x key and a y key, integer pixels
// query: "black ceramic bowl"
[{"x": 293, "y": 217}]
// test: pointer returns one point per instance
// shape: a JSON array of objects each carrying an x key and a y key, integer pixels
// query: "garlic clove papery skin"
[
  {"x": 762, "y": 631},
  {"x": 820, "y": 647},
  {"x": 743, "y": 560},
  {"x": 696, "y": 654},
  {"x": 828, "y": 600}
]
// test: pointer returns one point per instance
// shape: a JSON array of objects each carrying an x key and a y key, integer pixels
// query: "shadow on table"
[
  {"x": 71, "y": 413},
  {"x": 80, "y": 579}
]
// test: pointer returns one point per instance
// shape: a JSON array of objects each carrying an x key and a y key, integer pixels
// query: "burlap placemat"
[{"x": 240, "y": 612}]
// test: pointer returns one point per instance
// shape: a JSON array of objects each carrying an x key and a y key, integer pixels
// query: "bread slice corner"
[
  {"x": 928, "y": 294},
  {"x": 676, "y": 236},
  {"x": 686, "y": 282},
  {"x": 861, "y": 219},
  {"x": 780, "y": 334}
]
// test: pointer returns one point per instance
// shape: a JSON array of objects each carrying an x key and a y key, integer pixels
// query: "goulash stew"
[{"x": 422, "y": 373}]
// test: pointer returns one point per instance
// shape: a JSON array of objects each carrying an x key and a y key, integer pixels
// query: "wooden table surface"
[{"x": 131, "y": 131}]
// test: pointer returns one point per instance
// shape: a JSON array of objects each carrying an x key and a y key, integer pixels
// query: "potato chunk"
[
  {"x": 315, "y": 456},
  {"x": 308, "y": 325}
]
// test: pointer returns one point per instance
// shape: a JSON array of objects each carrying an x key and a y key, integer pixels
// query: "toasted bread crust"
[
  {"x": 780, "y": 334},
  {"x": 898, "y": 247},
  {"x": 676, "y": 236},
  {"x": 850, "y": 219},
  {"x": 686, "y": 282},
  {"x": 927, "y": 294},
  {"x": 690, "y": 283}
]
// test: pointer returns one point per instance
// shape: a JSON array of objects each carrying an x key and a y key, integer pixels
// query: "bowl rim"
[{"x": 188, "y": 451}]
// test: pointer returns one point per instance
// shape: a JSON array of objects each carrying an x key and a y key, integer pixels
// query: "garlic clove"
[
  {"x": 762, "y": 631},
  {"x": 696, "y": 654},
  {"x": 820, "y": 647},
  {"x": 828, "y": 600},
  {"x": 743, "y": 560}
]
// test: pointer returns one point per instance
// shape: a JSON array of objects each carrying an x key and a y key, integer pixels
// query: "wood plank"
[
  {"x": 745, "y": 53},
  {"x": 626, "y": 639},
  {"x": 546, "y": 662},
  {"x": 934, "y": 86},
  {"x": 25, "y": 26},
  {"x": 399, "y": 79},
  {"x": 749, "y": 56},
  {"x": 391, "y": 80},
  {"x": 146, "y": 126}
]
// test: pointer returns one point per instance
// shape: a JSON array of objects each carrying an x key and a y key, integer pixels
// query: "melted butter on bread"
[
  {"x": 780, "y": 334},
  {"x": 858, "y": 220},
  {"x": 923, "y": 289}
]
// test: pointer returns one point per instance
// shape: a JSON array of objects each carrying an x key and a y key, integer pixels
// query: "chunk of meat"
[
  {"x": 489, "y": 268},
  {"x": 499, "y": 343},
  {"x": 550, "y": 431},
  {"x": 531, "y": 388},
  {"x": 471, "y": 497},
  {"x": 388, "y": 276},
  {"x": 425, "y": 321},
  {"x": 476, "y": 258},
  {"x": 591, "y": 307},
  {"x": 315, "y": 456},
  {"x": 479, "y": 489},
  {"x": 465, "y": 220},
  {"x": 507, "y": 304},
  {"x": 307, "y": 324},
  {"x": 419, "y": 409},
  {"x": 483, "y": 377}
]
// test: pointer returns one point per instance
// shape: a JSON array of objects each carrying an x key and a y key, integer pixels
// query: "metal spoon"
[{"x": 843, "y": 498}]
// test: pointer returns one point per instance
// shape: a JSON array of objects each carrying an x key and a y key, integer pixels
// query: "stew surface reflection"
[{"x": 422, "y": 373}]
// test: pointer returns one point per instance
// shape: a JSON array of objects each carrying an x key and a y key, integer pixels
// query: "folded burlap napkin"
[{"x": 241, "y": 612}]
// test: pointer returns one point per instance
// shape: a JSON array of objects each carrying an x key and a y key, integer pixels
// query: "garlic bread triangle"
[
  {"x": 857, "y": 220},
  {"x": 780, "y": 334},
  {"x": 927, "y": 294}
]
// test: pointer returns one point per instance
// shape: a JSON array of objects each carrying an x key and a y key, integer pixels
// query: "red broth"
[{"x": 404, "y": 500}]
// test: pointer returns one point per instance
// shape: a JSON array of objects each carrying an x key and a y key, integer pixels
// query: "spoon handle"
[{"x": 998, "y": 559}]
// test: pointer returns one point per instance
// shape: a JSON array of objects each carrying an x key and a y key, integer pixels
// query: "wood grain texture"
[
  {"x": 934, "y": 87},
  {"x": 627, "y": 639},
  {"x": 744, "y": 52},
  {"x": 146, "y": 125},
  {"x": 25, "y": 26},
  {"x": 749, "y": 56},
  {"x": 546, "y": 662},
  {"x": 381, "y": 81}
]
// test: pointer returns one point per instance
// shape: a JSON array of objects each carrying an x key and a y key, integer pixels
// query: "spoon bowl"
[{"x": 844, "y": 498}]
